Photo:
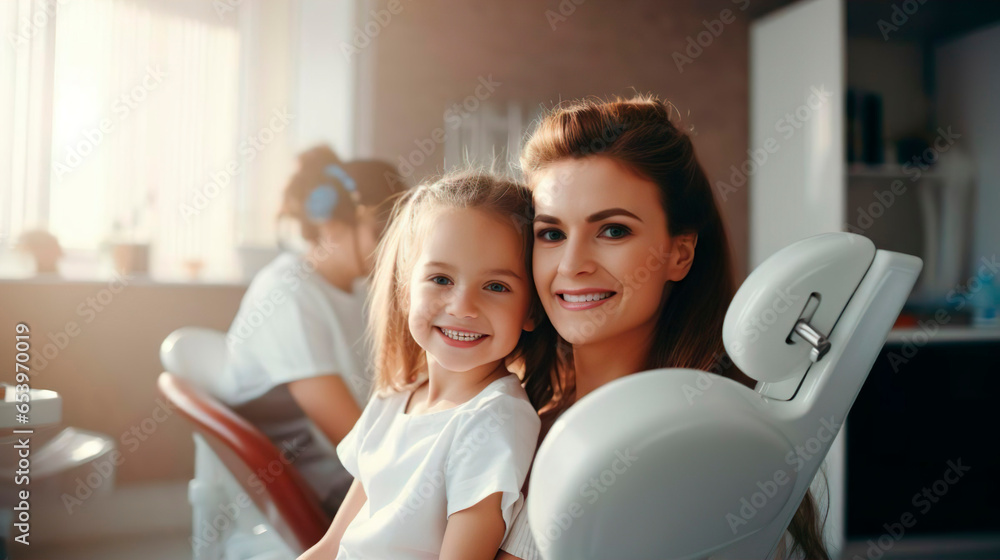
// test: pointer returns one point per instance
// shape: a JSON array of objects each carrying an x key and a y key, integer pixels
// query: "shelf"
[
  {"x": 944, "y": 335},
  {"x": 887, "y": 171}
]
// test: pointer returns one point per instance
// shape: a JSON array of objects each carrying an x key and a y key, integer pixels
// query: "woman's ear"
[
  {"x": 333, "y": 234},
  {"x": 681, "y": 255}
]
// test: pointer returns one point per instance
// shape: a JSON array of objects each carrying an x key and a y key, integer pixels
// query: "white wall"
[
  {"x": 968, "y": 79},
  {"x": 796, "y": 126},
  {"x": 324, "y": 80}
]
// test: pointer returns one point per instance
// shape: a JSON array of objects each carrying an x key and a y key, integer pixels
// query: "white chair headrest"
[
  {"x": 197, "y": 354},
  {"x": 811, "y": 280}
]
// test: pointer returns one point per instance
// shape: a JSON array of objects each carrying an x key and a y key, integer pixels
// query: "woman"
[
  {"x": 631, "y": 262},
  {"x": 298, "y": 367}
]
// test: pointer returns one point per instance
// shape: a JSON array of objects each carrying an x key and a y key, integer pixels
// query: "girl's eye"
[
  {"x": 550, "y": 235},
  {"x": 444, "y": 283},
  {"x": 616, "y": 231},
  {"x": 497, "y": 287}
]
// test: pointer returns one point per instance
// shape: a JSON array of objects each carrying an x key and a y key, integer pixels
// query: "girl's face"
[
  {"x": 469, "y": 290},
  {"x": 602, "y": 252}
]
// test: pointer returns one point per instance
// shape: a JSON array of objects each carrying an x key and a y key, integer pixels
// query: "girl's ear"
[{"x": 681, "y": 255}]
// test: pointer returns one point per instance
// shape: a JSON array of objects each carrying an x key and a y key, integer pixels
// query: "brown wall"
[
  {"x": 432, "y": 54},
  {"x": 106, "y": 373}
]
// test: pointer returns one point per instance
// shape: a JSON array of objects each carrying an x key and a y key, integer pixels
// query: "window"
[{"x": 125, "y": 121}]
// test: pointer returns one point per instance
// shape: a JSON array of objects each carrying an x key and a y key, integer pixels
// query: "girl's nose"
[
  {"x": 463, "y": 303},
  {"x": 577, "y": 258}
]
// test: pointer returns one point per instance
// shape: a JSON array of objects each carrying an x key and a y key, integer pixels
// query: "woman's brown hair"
[
  {"x": 639, "y": 134},
  {"x": 400, "y": 363}
]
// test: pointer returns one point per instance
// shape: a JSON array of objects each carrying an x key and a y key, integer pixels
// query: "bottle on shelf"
[{"x": 984, "y": 302}]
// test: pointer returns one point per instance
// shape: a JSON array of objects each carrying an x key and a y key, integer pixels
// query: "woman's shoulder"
[
  {"x": 289, "y": 277},
  {"x": 277, "y": 274}
]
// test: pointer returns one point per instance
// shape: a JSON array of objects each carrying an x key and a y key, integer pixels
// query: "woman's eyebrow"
[{"x": 595, "y": 217}]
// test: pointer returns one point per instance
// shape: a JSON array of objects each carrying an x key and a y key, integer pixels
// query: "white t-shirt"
[
  {"x": 292, "y": 324},
  {"x": 417, "y": 470}
]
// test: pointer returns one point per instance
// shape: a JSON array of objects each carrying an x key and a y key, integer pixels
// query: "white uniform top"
[
  {"x": 292, "y": 324},
  {"x": 417, "y": 470}
]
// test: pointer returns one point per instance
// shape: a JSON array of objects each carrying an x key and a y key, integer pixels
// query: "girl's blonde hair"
[{"x": 400, "y": 363}]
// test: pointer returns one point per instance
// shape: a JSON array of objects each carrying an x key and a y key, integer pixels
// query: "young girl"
[{"x": 440, "y": 453}]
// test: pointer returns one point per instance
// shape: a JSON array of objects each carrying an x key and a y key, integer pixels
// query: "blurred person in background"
[{"x": 299, "y": 368}]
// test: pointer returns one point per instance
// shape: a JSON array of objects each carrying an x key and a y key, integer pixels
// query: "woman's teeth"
[
  {"x": 587, "y": 297},
  {"x": 461, "y": 335}
]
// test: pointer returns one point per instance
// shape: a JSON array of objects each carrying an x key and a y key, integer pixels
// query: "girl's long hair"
[
  {"x": 639, "y": 134},
  {"x": 400, "y": 363}
]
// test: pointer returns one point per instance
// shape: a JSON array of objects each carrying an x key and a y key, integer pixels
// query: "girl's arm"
[
  {"x": 327, "y": 547},
  {"x": 475, "y": 533}
]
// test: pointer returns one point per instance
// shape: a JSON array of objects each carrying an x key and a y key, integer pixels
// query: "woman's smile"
[{"x": 575, "y": 300}]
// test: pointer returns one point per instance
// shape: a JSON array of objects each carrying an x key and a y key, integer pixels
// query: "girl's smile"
[{"x": 461, "y": 338}]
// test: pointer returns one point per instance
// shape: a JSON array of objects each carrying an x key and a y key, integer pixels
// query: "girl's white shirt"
[{"x": 417, "y": 470}]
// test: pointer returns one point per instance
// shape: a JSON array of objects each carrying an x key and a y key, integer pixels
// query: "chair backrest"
[
  {"x": 266, "y": 475},
  {"x": 197, "y": 354},
  {"x": 195, "y": 358},
  {"x": 685, "y": 464}
]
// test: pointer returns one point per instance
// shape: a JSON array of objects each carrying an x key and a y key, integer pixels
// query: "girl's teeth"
[
  {"x": 461, "y": 336},
  {"x": 588, "y": 297}
]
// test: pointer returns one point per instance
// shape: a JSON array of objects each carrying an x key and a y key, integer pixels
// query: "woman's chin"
[{"x": 581, "y": 333}]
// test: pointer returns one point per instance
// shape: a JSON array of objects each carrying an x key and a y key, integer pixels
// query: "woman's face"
[{"x": 602, "y": 254}]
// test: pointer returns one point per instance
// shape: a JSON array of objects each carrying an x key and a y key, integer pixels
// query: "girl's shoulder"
[
  {"x": 503, "y": 399},
  {"x": 507, "y": 389}
]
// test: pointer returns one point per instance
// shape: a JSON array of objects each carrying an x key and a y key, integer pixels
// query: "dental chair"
[
  {"x": 248, "y": 502},
  {"x": 685, "y": 464}
]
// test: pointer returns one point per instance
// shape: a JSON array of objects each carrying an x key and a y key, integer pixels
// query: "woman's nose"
[{"x": 577, "y": 258}]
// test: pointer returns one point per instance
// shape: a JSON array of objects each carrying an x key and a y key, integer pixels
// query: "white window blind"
[{"x": 144, "y": 112}]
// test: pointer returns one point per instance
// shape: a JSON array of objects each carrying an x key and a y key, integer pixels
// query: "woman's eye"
[
  {"x": 496, "y": 287},
  {"x": 444, "y": 281},
  {"x": 550, "y": 235},
  {"x": 615, "y": 231}
]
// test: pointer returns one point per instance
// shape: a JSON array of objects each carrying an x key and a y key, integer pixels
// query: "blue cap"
[
  {"x": 321, "y": 202},
  {"x": 338, "y": 173},
  {"x": 323, "y": 199}
]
